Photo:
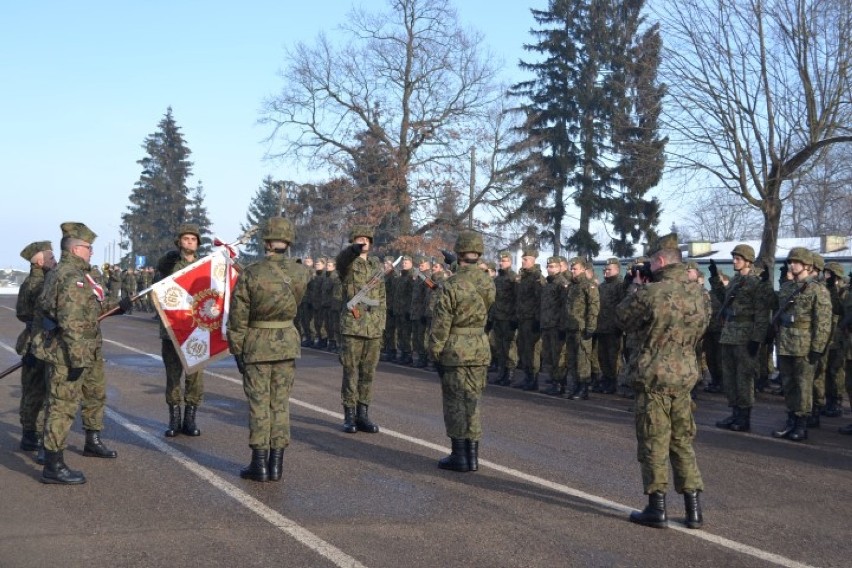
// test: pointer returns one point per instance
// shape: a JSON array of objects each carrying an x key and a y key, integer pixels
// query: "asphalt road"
[{"x": 557, "y": 480}]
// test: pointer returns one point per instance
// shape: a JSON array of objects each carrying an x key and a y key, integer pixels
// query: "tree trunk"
[{"x": 771, "y": 208}]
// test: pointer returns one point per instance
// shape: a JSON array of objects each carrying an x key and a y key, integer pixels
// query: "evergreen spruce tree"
[
  {"x": 197, "y": 214},
  {"x": 265, "y": 204},
  {"x": 160, "y": 198}
]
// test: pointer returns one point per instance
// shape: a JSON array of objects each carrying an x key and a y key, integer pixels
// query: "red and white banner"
[{"x": 193, "y": 305}]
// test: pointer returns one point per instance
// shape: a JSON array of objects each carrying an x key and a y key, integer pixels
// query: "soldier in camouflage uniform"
[
  {"x": 552, "y": 340},
  {"x": 835, "y": 375},
  {"x": 416, "y": 310},
  {"x": 804, "y": 327},
  {"x": 459, "y": 345},
  {"x": 186, "y": 243},
  {"x": 609, "y": 335},
  {"x": 72, "y": 301},
  {"x": 114, "y": 285},
  {"x": 361, "y": 329},
  {"x": 389, "y": 336},
  {"x": 528, "y": 311},
  {"x": 817, "y": 272},
  {"x": 305, "y": 315},
  {"x": 744, "y": 317},
  {"x": 328, "y": 303},
  {"x": 317, "y": 284},
  {"x": 670, "y": 316},
  {"x": 33, "y": 373},
  {"x": 579, "y": 322},
  {"x": 401, "y": 307},
  {"x": 265, "y": 345},
  {"x": 504, "y": 319},
  {"x": 846, "y": 331},
  {"x": 128, "y": 283}
]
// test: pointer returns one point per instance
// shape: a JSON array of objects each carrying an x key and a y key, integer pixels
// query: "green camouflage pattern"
[
  {"x": 611, "y": 291},
  {"x": 359, "y": 357},
  {"x": 461, "y": 391},
  {"x": 267, "y": 387},
  {"x": 582, "y": 305},
  {"x": 745, "y": 310},
  {"x": 797, "y": 382},
  {"x": 355, "y": 272},
  {"x": 505, "y": 284},
  {"x": 528, "y": 294},
  {"x": 64, "y": 398},
  {"x": 34, "y": 377},
  {"x": 552, "y": 300},
  {"x": 193, "y": 383},
  {"x": 806, "y": 324}
]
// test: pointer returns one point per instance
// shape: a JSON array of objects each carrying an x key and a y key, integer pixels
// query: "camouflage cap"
[
  {"x": 530, "y": 252},
  {"x": 562, "y": 259},
  {"x": 819, "y": 261},
  {"x": 504, "y": 254},
  {"x": 388, "y": 259},
  {"x": 72, "y": 230},
  {"x": 835, "y": 268},
  {"x": 578, "y": 260},
  {"x": 692, "y": 265},
  {"x": 188, "y": 229},
  {"x": 613, "y": 260},
  {"x": 33, "y": 249},
  {"x": 669, "y": 241},
  {"x": 360, "y": 231},
  {"x": 554, "y": 260},
  {"x": 279, "y": 229},
  {"x": 745, "y": 251},
  {"x": 491, "y": 265},
  {"x": 420, "y": 259},
  {"x": 800, "y": 254},
  {"x": 469, "y": 241}
]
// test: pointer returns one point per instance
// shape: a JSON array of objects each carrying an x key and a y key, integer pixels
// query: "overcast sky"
[{"x": 83, "y": 84}]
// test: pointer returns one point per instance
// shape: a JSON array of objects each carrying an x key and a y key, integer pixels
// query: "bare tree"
[
  {"x": 411, "y": 77},
  {"x": 719, "y": 215},
  {"x": 822, "y": 201},
  {"x": 759, "y": 90}
]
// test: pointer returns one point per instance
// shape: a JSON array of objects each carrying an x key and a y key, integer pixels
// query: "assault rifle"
[
  {"x": 772, "y": 331},
  {"x": 427, "y": 280},
  {"x": 722, "y": 316},
  {"x": 361, "y": 296}
]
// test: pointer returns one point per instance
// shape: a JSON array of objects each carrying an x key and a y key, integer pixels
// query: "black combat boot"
[
  {"x": 726, "y": 422},
  {"x": 813, "y": 417},
  {"x": 407, "y": 359},
  {"x": 531, "y": 384},
  {"x": 332, "y": 345},
  {"x": 788, "y": 427},
  {"x": 276, "y": 463},
  {"x": 258, "y": 469},
  {"x": 800, "y": 431},
  {"x": 609, "y": 386},
  {"x": 94, "y": 448},
  {"x": 504, "y": 379},
  {"x": 556, "y": 389},
  {"x": 307, "y": 342},
  {"x": 580, "y": 392},
  {"x": 597, "y": 383},
  {"x": 832, "y": 408},
  {"x": 349, "y": 420},
  {"x": 743, "y": 420},
  {"x": 654, "y": 515},
  {"x": 362, "y": 420},
  {"x": 457, "y": 460},
  {"x": 472, "y": 450},
  {"x": 422, "y": 362},
  {"x": 55, "y": 470},
  {"x": 30, "y": 441},
  {"x": 189, "y": 427},
  {"x": 174, "y": 421},
  {"x": 692, "y": 504},
  {"x": 41, "y": 458}
]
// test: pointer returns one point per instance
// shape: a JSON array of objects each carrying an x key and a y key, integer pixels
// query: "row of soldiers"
[{"x": 126, "y": 283}]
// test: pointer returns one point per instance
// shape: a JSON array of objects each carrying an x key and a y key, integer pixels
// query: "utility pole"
[{"x": 472, "y": 186}]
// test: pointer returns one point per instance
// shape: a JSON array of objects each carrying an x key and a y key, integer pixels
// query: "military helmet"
[
  {"x": 469, "y": 241},
  {"x": 800, "y": 254},
  {"x": 835, "y": 268},
  {"x": 360, "y": 231},
  {"x": 819, "y": 261},
  {"x": 745, "y": 251},
  {"x": 279, "y": 229},
  {"x": 188, "y": 229}
]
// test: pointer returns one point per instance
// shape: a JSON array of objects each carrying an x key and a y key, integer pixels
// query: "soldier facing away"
[
  {"x": 459, "y": 345},
  {"x": 670, "y": 316},
  {"x": 265, "y": 345}
]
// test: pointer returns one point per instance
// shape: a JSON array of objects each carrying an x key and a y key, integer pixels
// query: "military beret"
[
  {"x": 33, "y": 249},
  {"x": 578, "y": 260},
  {"x": 554, "y": 260},
  {"x": 530, "y": 252},
  {"x": 613, "y": 260},
  {"x": 504, "y": 254},
  {"x": 835, "y": 268},
  {"x": 692, "y": 265},
  {"x": 77, "y": 231}
]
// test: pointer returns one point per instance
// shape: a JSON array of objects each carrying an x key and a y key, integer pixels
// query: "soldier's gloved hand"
[
  {"x": 562, "y": 335},
  {"x": 29, "y": 360},
  {"x": 449, "y": 257},
  {"x": 714, "y": 271},
  {"x": 513, "y": 325},
  {"x": 588, "y": 334},
  {"x": 357, "y": 247},
  {"x": 489, "y": 325},
  {"x": 241, "y": 366},
  {"x": 75, "y": 373},
  {"x": 764, "y": 276},
  {"x": 814, "y": 357},
  {"x": 536, "y": 326},
  {"x": 125, "y": 305},
  {"x": 753, "y": 347}
]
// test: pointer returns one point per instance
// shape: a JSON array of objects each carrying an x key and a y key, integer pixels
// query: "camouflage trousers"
[
  {"x": 193, "y": 382},
  {"x": 835, "y": 377},
  {"x": 461, "y": 391},
  {"x": 820, "y": 375},
  {"x": 33, "y": 396},
  {"x": 319, "y": 329},
  {"x": 306, "y": 317},
  {"x": 579, "y": 356},
  {"x": 505, "y": 345},
  {"x": 713, "y": 355},
  {"x": 267, "y": 387},
  {"x": 389, "y": 336},
  {"x": 332, "y": 324},
  {"x": 553, "y": 354},
  {"x": 665, "y": 429},
  {"x": 594, "y": 360},
  {"x": 403, "y": 333},
  {"x": 797, "y": 380},
  {"x": 359, "y": 357},
  {"x": 64, "y": 397},
  {"x": 609, "y": 354},
  {"x": 739, "y": 370},
  {"x": 529, "y": 347}
]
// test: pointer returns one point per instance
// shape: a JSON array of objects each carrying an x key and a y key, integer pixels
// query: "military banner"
[{"x": 193, "y": 305}]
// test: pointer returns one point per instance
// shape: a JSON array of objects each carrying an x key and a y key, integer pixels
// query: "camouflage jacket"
[
  {"x": 552, "y": 300},
  {"x": 69, "y": 299},
  {"x": 528, "y": 294},
  {"x": 611, "y": 292},
  {"x": 438, "y": 278},
  {"x": 805, "y": 319},
  {"x": 355, "y": 272},
  {"x": 315, "y": 289},
  {"x": 114, "y": 285},
  {"x": 128, "y": 284},
  {"x": 669, "y": 317},
  {"x": 402, "y": 293},
  {"x": 390, "y": 287},
  {"x": 457, "y": 337},
  {"x": 327, "y": 290},
  {"x": 838, "y": 294},
  {"x": 166, "y": 268},
  {"x": 504, "y": 308},
  {"x": 582, "y": 306},
  {"x": 418, "y": 296},
  {"x": 25, "y": 309},
  {"x": 263, "y": 305},
  {"x": 744, "y": 315}
]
